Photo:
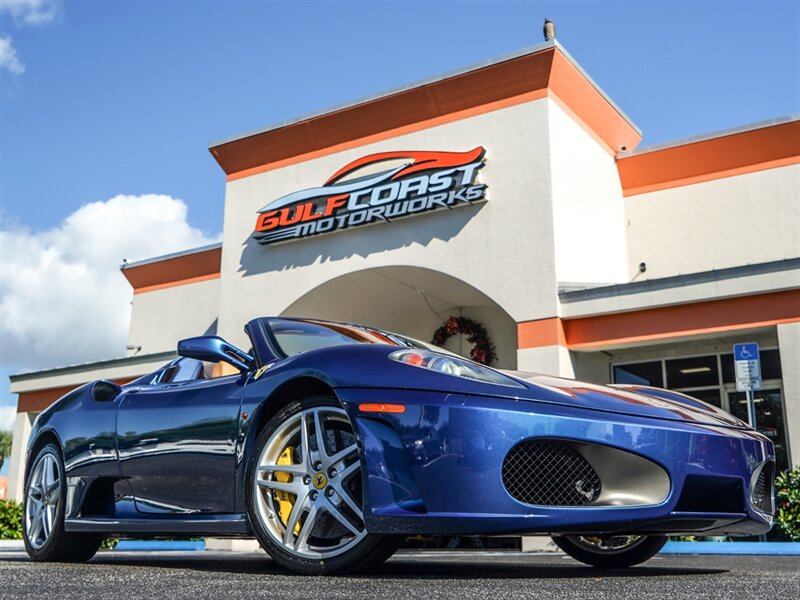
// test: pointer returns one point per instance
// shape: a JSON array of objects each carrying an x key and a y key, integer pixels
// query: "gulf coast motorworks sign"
[{"x": 424, "y": 182}]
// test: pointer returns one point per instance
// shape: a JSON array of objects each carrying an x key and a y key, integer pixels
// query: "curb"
[
  {"x": 753, "y": 548},
  {"x": 158, "y": 546},
  {"x": 12, "y": 546}
]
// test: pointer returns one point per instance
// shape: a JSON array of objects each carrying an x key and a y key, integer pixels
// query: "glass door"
[{"x": 769, "y": 416}]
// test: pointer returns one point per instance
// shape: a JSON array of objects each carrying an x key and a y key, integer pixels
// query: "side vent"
[{"x": 761, "y": 488}]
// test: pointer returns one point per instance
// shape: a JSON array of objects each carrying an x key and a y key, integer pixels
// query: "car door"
[{"x": 177, "y": 440}]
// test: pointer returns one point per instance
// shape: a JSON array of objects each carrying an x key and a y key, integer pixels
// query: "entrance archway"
[{"x": 412, "y": 301}]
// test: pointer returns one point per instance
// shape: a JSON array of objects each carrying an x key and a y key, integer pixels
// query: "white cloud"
[
  {"x": 63, "y": 299},
  {"x": 8, "y": 57},
  {"x": 24, "y": 13},
  {"x": 31, "y": 12}
]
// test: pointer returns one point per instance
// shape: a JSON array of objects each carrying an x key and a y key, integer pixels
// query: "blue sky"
[
  {"x": 124, "y": 97},
  {"x": 116, "y": 100}
]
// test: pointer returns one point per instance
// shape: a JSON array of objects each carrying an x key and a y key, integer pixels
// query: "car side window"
[{"x": 185, "y": 369}]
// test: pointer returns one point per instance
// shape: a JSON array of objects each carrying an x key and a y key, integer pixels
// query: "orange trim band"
[
  {"x": 706, "y": 160},
  {"x": 169, "y": 284},
  {"x": 667, "y": 322},
  {"x": 178, "y": 270},
  {"x": 430, "y": 123},
  {"x": 544, "y": 332},
  {"x": 521, "y": 79},
  {"x": 602, "y": 341},
  {"x": 762, "y": 166},
  {"x": 392, "y": 133},
  {"x": 38, "y": 400},
  {"x": 382, "y": 408},
  {"x": 589, "y": 108}
]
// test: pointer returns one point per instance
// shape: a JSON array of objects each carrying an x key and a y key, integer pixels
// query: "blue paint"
[
  {"x": 159, "y": 546},
  {"x": 745, "y": 352},
  {"x": 783, "y": 548},
  {"x": 434, "y": 468}
]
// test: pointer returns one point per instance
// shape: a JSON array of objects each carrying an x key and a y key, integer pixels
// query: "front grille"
[
  {"x": 549, "y": 473},
  {"x": 761, "y": 494}
]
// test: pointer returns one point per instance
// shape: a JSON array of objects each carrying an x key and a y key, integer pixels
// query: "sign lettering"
[{"x": 430, "y": 181}]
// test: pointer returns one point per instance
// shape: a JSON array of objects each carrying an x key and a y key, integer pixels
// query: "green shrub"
[
  {"x": 5, "y": 446},
  {"x": 109, "y": 544},
  {"x": 787, "y": 496},
  {"x": 10, "y": 520}
]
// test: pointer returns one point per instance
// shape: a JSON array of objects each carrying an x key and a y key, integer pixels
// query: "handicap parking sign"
[{"x": 748, "y": 367}]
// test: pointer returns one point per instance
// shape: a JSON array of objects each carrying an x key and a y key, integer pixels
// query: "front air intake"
[{"x": 549, "y": 473}]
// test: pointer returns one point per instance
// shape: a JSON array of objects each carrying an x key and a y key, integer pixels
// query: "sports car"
[{"x": 331, "y": 443}]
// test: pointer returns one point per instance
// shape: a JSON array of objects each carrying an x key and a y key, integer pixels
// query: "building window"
[
  {"x": 647, "y": 373},
  {"x": 711, "y": 395},
  {"x": 697, "y": 371}
]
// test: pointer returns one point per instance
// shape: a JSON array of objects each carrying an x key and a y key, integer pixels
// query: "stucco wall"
[
  {"x": 588, "y": 212},
  {"x": 739, "y": 220},
  {"x": 789, "y": 340},
  {"x": 160, "y": 318},
  {"x": 548, "y": 360},
  {"x": 594, "y": 367},
  {"x": 411, "y": 301},
  {"x": 16, "y": 477},
  {"x": 503, "y": 247}
]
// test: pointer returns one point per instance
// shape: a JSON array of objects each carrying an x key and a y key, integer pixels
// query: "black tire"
[
  {"x": 641, "y": 550},
  {"x": 58, "y": 545},
  {"x": 370, "y": 551}
]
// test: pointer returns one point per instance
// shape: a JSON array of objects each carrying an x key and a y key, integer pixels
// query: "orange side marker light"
[{"x": 382, "y": 408}]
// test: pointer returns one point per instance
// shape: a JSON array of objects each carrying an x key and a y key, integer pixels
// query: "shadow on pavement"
[{"x": 405, "y": 567}]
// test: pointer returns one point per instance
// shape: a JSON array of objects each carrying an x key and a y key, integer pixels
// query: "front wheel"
[
  {"x": 305, "y": 492},
  {"x": 611, "y": 552},
  {"x": 43, "y": 514}
]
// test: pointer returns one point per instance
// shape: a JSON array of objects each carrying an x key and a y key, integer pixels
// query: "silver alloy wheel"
[
  {"x": 324, "y": 478},
  {"x": 42, "y": 499},
  {"x": 613, "y": 544}
]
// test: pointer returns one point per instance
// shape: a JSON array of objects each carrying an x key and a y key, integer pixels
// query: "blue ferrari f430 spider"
[{"x": 331, "y": 443}]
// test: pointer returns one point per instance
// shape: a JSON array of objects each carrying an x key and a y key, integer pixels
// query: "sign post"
[
  {"x": 748, "y": 378},
  {"x": 748, "y": 374}
]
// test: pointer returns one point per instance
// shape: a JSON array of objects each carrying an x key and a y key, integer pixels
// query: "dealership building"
[{"x": 513, "y": 193}]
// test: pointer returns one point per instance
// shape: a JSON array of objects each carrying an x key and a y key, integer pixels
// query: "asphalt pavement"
[{"x": 428, "y": 574}]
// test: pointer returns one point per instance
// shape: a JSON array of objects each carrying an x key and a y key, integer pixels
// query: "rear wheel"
[
  {"x": 611, "y": 552},
  {"x": 43, "y": 514},
  {"x": 304, "y": 492}
]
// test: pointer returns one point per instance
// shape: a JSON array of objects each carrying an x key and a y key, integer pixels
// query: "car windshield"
[{"x": 297, "y": 336}]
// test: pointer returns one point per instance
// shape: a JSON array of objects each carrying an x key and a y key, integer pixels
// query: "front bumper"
[{"x": 436, "y": 469}]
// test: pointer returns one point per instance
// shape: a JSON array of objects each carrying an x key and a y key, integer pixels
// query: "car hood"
[{"x": 626, "y": 399}]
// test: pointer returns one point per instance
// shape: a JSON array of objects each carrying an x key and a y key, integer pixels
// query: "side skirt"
[{"x": 221, "y": 525}]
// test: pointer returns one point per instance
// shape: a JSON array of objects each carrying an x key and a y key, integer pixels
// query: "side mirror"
[
  {"x": 212, "y": 348},
  {"x": 105, "y": 391}
]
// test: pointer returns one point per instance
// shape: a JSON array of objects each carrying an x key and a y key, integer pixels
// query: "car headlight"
[{"x": 451, "y": 365}]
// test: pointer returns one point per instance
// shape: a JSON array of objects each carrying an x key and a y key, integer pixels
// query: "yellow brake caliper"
[{"x": 285, "y": 500}]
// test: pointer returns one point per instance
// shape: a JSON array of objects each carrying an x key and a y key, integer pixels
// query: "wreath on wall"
[{"x": 482, "y": 348}]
